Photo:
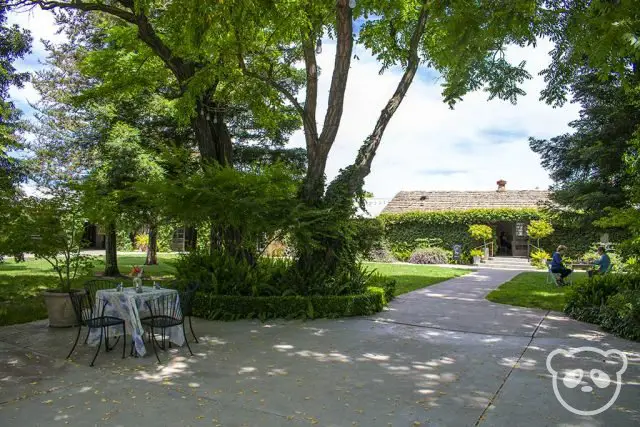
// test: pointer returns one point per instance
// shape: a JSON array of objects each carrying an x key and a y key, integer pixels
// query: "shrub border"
[{"x": 232, "y": 307}]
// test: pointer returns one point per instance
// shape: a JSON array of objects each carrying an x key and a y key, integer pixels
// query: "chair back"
[
  {"x": 93, "y": 286},
  {"x": 83, "y": 307},
  {"x": 166, "y": 305},
  {"x": 186, "y": 299}
]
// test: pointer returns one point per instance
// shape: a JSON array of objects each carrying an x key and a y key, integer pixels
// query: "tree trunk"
[
  {"x": 111, "y": 252},
  {"x": 152, "y": 248}
]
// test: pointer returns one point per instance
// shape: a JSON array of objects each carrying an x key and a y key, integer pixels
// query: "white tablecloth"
[{"x": 130, "y": 306}]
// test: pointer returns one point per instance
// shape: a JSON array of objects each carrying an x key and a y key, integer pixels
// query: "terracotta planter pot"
[{"x": 60, "y": 309}]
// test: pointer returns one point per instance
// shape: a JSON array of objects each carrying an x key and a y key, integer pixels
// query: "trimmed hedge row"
[{"x": 231, "y": 307}]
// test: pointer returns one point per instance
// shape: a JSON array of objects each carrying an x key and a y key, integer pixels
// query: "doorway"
[{"x": 504, "y": 233}]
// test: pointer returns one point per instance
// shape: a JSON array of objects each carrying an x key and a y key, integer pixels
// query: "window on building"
[
  {"x": 179, "y": 233},
  {"x": 521, "y": 229}
]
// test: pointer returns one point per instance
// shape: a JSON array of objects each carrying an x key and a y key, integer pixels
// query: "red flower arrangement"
[{"x": 136, "y": 271}]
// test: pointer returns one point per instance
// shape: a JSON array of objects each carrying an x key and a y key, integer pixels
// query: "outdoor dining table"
[{"x": 131, "y": 307}]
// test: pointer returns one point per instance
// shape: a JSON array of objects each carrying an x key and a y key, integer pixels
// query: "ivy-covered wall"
[{"x": 451, "y": 227}]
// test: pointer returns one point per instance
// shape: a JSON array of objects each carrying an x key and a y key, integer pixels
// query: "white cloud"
[
  {"x": 42, "y": 25},
  {"x": 426, "y": 146},
  {"x": 425, "y": 136}
]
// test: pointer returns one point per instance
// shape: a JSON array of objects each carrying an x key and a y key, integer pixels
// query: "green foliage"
[
  {"x": 579, "y": 240},
  {"x": 165, "y": 236},
  {"x": 480, "y": 232},
  {"x": 573, "y": 27},
  {"x": 142, "y": 242},
  {"x": 610, "y": 300},
  {"x": 404, "y": 231},
  {"x": 221, "y": 274},
  {"x": 251, "y": 203},
  {"x": 539, "y": 229},
  {"x": 368, "y": 234},
  {"x": 380, "y": 255},
  {"x": 590, "y": 174},
  {"x": 123, "y": 240},
  {"x": 15, "y": 44},
  {"x": 227, "y": 307},
  {"x": 476, "y": 253},
  {"x": 429, "y": 256},
  {"x": 539, "y": 258},
  {"x": 52, "y": 229}
]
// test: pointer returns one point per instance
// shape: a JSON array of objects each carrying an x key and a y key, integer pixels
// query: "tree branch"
[
  {"x": 268, "y": 79},
  {"x": 344, "y": 48},
  {"x": 182, "y": 69},
  {"x": 311, "y": 96},
  {"x": 356, "y": 173}
]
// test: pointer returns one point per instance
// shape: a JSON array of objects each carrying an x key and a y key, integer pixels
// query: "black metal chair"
[
  {"x": 166, "y": 312},
  {"x": 92, "y": 318},
  {"x": 187, "y": 302},
  {"x": 92, "y": 287}
]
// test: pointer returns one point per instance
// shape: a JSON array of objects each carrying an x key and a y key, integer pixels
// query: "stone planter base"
[{"x": 60, "y": 309}]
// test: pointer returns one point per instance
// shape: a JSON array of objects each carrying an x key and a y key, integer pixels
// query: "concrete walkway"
[{"x": 441, "y": 356}]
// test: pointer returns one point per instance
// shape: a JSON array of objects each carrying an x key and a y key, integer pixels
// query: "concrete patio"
[{"x": 441, "y": 356}]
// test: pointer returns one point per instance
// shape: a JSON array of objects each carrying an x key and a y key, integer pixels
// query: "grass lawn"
[
  {"x": 531, "y": 290},
  {"x": 21, "y": 284},
  {"x": 412, "y": 277}
]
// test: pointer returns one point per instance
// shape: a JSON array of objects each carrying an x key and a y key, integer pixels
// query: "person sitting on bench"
[
  {"x": 603, "y": 263},
  {"x": 557, "y": 267}
]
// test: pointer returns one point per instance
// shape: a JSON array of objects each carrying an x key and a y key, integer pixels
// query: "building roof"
[{"x": 433, "y": 201}]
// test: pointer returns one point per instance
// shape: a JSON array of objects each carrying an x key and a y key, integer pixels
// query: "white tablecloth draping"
[{"x": 130, "y": 306}]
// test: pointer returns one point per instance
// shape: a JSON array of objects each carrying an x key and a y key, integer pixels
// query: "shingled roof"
[{"x": 430, "y": 201}]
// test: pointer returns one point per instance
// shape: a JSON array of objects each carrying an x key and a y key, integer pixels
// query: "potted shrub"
[
  {"x": 476, "y": 254},
  {"x": 483, "y": 233},
  {"x": 52, "y": 230}
]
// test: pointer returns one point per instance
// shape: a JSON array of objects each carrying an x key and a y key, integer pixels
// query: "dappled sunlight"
[
  {"x": 589, "y": 335},
  {"x": 171, "y": 370},
  {"x": 319, "y": 332},
  {"x": 212, "y": 340}
]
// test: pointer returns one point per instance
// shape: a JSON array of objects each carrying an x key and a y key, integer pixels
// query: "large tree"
[
  {"x": 14, "y": 44},
  {"x": 588, "y": 166}
]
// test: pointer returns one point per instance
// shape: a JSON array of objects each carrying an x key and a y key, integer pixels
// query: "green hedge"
[
  {"x": 578, "y": 240},
  {"x": 611, "y": 301},
  {"x": 228, "y": 307}
]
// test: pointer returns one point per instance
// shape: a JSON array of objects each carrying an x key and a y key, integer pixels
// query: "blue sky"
[{"x": 427, "y": 146}]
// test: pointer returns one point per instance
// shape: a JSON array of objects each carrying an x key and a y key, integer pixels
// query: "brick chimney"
[{"x": 502, "y": 185}]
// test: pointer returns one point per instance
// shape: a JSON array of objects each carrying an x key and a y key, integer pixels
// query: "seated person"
[
  {"x": 603, "y": 263},
  {"x": 557, "y": 267}
]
